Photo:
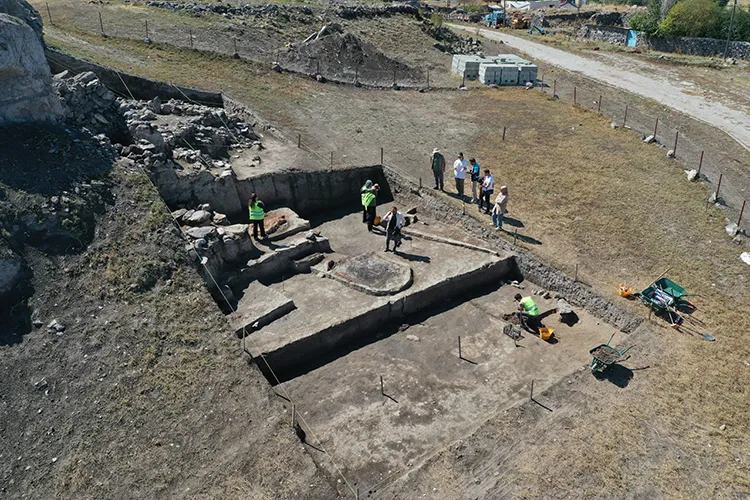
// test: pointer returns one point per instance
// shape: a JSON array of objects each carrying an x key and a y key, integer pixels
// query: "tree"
[{"x": 697, "y": 18}]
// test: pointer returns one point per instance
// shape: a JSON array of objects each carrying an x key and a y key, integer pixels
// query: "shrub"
[
  {"x": 698, "y": 18},
  {"x": 648, "y": 20},
  {"x": 437, "y": 20}
]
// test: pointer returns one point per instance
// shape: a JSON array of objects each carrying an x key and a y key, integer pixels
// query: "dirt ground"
[{"x": 588, "y": 197}]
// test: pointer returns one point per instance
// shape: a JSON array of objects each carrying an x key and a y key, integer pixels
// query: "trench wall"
[
  {"x": 141, "y": 88},
  {"x": 438, "y": 208},
  {"x": 339, "y": 336}
]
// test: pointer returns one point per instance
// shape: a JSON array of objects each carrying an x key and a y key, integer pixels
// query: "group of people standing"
[{"x": 482, "y": 185}]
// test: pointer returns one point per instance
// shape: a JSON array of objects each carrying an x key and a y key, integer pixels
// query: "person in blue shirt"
[{"x": 475, "y": 170}]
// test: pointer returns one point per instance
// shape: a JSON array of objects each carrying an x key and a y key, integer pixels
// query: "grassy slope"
[{"x": 611, "y": 180}]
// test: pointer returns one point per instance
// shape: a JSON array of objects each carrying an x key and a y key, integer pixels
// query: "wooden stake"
[
  {"x": 460, "y": 355},
  {"x": 576, "y": 276},
  {"x": 101, "y": 25},
  {"x": 554, "y": 88},
  {"x": 599, "y": 105},
  {"x": 531, "y": 394},
  {"x": 721, "y": 176},
  {"x": 700, "y": 164},
  {"x": 674, "y": 148},
  {"x": 49, "y": 14},
  {"x": 742, "y": 211},
  {"x": 420, "y": 183},
  {"x": 504, "y": 129},
  {"x": 299, "y": 140},
  {"x": 656, "y": 126},
  {"x": 428, "y": 78},
  {"x": 147, "y": 29},
  {"x": 394, "y": 77},
  {"x": 381, "y": 156},
  {"x": 331, "y": 159},
  {"x": 575, "y": 97},
  {"x": 382, "y": 386},
  {"x": 625, "y": 119}
]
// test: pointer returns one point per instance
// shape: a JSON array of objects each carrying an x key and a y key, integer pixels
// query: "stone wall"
[
  {"x": 609, "y": 34},
  {"x": 706, "y": 47}
]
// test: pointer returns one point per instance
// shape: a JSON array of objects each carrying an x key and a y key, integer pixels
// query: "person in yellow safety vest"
[
  {"x": 257, "y": 216},
  {"x": 528, "y": 312},
  {"x": 369, "y": 204},
  {"x": 365, "y": 189}
]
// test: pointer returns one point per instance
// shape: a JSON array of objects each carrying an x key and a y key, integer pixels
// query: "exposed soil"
[{"x": 605, "y": 354}]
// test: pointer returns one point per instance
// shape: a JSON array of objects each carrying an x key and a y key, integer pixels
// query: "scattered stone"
[
  {"x": 56, "y": 325},
  {"x": 220, "y": 219},
  {"x": 714, "y": 198},
  {"x": 722, "y": 427},
  {"x": 198, "y": 217},
  {"x": 201, "y": 232},
  {"x": 155, "y": 105},
  {"x": 564, "y": 307},
  {"x": 42, "y": 384},
  {"x": 649, "y": 139},
  {"x": 547, "y": 295},
  {"x": 205, "y": 206},
  {"x": 692, "y": 175},
  {"x": 614, "y": 125},
  {"x": 732, "y": 229},
  {"x": 413, "y": 338},
  {"x": 178, "y": 214},
  {"x": 670, "y": 154}
]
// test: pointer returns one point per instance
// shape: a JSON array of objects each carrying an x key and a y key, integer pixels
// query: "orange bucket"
[
  {"x": 625, "y": 290},
  {"x": 546, "y": 333}
]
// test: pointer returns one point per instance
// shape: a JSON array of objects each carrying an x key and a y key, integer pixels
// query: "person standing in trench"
[{"x": 257, "y": 216}]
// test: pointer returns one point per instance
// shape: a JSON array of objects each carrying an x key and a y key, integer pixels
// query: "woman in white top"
[
  {"x": 500, "y": 208},
  {"x": 488, "y": 187}
]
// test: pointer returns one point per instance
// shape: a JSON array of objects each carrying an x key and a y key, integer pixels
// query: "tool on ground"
[{"x": 604, "y": 355}]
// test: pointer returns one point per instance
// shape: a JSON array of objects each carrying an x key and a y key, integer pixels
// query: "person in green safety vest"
[
  {"x": 365, "y": 189},
  {"x": 369, "y": 204},
  {"x": 257, "y": 216},
  {"x": 528, "y": 312}
]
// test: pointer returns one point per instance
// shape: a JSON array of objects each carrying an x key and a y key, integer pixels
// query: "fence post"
[
  {"x": 49, "y": 14},
  {"x": 719, "y": 186},
  {"x": 554, "y": 88},
  {"x": 700, "y": 164},
  {"x": 394, "y": 77},
  {"x": 574, "y": 96},
  {"x": 742, "y": 211},
  {"x": 331, "y": 159},
  {"x": 148, "y": 39},
  {"x": 299, "y": 140},
  {"x": 428, "y": 78},
  {"x": 656, "y": 126},
  {"x": 599, "y": 105},
  {"x": 674, "y": 148},
  {"x": 625, "y": 118},
  {"x": 236, "y": 54},
  {"x": 504, "y": 129},
  {"x": 381, "y": 156},
  {"x": 101, "y": 26}
]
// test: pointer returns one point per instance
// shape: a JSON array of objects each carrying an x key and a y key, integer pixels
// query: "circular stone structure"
[{"x": 374, "y": 274}]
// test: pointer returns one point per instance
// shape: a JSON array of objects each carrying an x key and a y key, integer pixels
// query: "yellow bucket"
[
  {"x": 625, "y": 290},
  {"x": 546, "y": 333}
]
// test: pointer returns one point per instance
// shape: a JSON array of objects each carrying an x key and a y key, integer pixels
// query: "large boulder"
[
  {"x": 25, "y": 12},
  {"x": 26, "y": 92}
]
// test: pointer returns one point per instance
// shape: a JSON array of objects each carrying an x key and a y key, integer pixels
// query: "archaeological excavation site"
[{"x": 227, "y": 272}]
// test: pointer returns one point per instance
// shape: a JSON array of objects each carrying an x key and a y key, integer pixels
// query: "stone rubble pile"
[
  {"x": 269, "y": 11},
  {"x": 449, "y": 42},
  {"x": 370, "y": 11},
  {"x": 88, "y": 103}
]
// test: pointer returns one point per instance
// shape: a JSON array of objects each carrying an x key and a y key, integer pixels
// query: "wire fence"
[{"x": 723, "y": 182}]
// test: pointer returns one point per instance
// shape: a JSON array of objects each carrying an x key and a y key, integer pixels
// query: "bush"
[
  {"x": 741, "y": 26},
  {"x": 698, "y": 18},
  {"x": 647, "y": 21},
  {"x": 436, "y": 20}
]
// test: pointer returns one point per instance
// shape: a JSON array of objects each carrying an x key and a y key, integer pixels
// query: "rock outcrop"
[
  {"x": 26, "y": 92},
  {"x": 25, "y": 12}
]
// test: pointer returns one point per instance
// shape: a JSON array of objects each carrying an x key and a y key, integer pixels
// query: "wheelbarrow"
[{"x": 604, "y": 355}]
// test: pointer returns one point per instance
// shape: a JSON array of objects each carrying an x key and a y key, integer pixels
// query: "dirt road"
[{"x": 639, "y": 77}]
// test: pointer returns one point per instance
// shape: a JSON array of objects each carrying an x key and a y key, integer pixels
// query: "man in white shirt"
[
  {"x": 488, "y": 187},
  {"x": 459, "y": 174},
  {"x": 394, "y": 221}
]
